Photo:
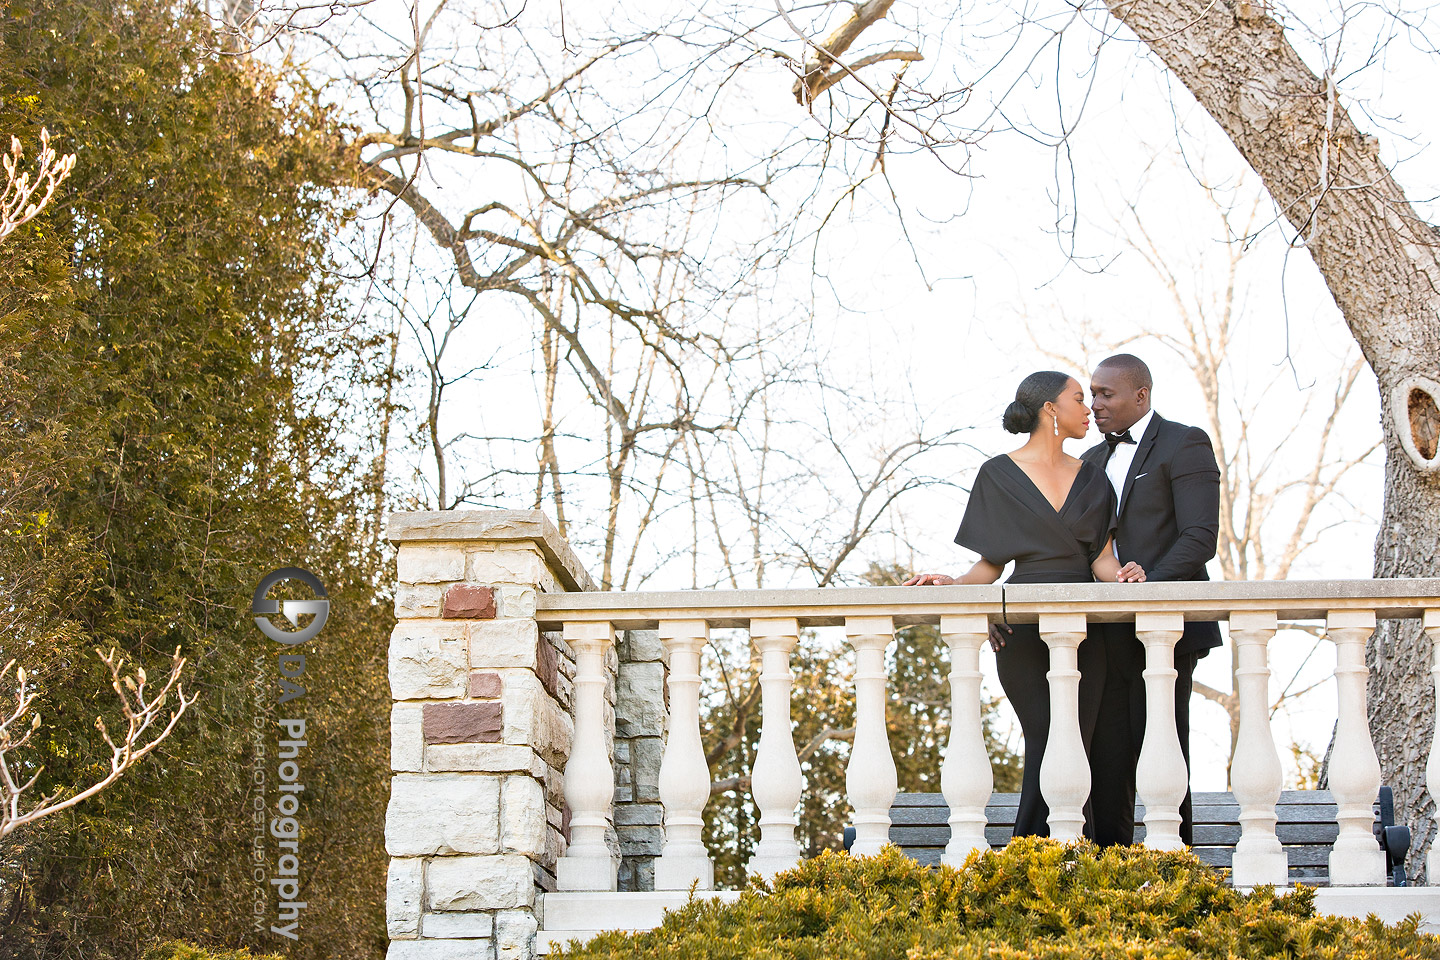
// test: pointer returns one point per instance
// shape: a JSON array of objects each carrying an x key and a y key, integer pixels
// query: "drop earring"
[{"x": 1056, "y": 421}]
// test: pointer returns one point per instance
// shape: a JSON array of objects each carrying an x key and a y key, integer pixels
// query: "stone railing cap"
[
  {"x": 466, "y": 525},
  {"x": 1021, "y": 603}
]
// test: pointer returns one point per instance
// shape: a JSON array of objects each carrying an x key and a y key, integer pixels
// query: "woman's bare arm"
[
  {"x": 983, "y": 572},
  {"x": 1107, "y": 567}
]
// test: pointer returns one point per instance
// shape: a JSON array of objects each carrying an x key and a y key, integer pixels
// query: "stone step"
[
  {"x": 618, "y": 911},
  {"x": 1390, "y": 904}
]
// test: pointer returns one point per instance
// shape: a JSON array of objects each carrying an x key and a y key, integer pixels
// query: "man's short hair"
[{"x": 1131, "y": 367}]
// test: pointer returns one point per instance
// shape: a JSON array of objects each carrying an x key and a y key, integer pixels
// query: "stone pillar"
[
  {"x": 870, "y": 782},
  {"x": 684, "y": 775},
  {"x": 1430, "y": 623},
  {"x": 966, "y": 778},
  {"x": 590, "y": 862},
  {"x": 1161, "y": 778},
  {"x": 1064, "y": 773},
  {"x": 480, "y": 732},
  {"x": 776, "y": 781},
  {"x": 1255, "y": 773},
  {"x": 1356, "y": 859}
]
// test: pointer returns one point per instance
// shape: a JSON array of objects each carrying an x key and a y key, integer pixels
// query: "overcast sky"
[{"x": 1028, "y": 247}]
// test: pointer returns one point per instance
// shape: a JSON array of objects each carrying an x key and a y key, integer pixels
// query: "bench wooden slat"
[
  {"x": 1218, "y": 815},
  {"x": 1312, "y": 862},
  {"x": 1315, "y": 858},
  {"x": 1200, "y": 798},
  {"x": 1307, "y": 827},
  {"x": 1226, "y": 835},
  {"x": 1306, "y": 814},
  {"x": 1206, "y": 835}
]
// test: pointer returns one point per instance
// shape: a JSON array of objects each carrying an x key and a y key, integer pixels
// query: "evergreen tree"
[{"x": 177, "y": 368}]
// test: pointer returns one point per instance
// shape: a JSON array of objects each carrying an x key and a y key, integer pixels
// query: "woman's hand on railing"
[
  {"x": 1107, "y": 567},
  {"x": 1132, "y": 572},
  {"x": 929, "y": 580}
]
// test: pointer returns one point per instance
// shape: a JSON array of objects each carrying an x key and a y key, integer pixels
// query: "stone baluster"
[
  {"x": 775, "y": 779},
  {"x": 1065, "y": 771},
  {"x": 684, "y": 775},
  {"x": 1431, "y": 626},
  {"x": 1356, "y": 860},
  {"x": 1160, "y": 778},
  {"x": 965, "y": 777},
  {"x": 588, "y": 863},
  {"x": 870, "y": 780},
  {"x": 1255, "y": 773}
]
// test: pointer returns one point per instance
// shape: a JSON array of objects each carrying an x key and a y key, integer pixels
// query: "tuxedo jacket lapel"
[{"x": 1142, "y": 451}]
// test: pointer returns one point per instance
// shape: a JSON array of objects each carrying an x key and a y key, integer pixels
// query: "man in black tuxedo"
[{"x": 1168, "y": 488}]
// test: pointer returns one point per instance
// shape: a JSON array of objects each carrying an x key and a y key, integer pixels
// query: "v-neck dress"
[{"x": 1008, "y": 519}]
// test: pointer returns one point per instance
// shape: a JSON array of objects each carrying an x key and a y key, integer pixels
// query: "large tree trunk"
[{"x": 1382, "y": 264}]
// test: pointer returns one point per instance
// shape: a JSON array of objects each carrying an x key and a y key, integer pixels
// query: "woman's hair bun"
[
  {"x": 1018, "y": 418},
  {"x": 1036, "y": 390}
]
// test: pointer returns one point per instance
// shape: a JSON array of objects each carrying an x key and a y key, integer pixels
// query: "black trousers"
[
  {"x": 1022, "y": 664},
  {"x": 1120, "y": 734}
]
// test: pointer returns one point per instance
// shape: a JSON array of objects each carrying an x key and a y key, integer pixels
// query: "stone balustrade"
[{"x": 517, "y": 796}]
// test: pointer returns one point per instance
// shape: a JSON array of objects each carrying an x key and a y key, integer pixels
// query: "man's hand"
[
  {"x": 999, "y": 633},
  {"x": 929, "y": 580},
  {"x": 1130, "y": 573}
]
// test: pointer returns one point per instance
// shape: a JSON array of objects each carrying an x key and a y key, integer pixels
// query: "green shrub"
[
  {"x": 180, "y": 950},
  {"x": 1034, "y": 900}
]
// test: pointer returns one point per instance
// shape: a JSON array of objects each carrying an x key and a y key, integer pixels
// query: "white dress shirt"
[{"x": 1123, "y": 455}]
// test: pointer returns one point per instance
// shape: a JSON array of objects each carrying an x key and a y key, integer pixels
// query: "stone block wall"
[
  {"x": 641, "y": 709},
  {"x": 480, "y": 733}
]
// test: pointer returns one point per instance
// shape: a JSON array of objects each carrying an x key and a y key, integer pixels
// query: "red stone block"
[
  {"x": 463, "y": 722},
  {"x": 485, "y": 686},
  {"x": 547, "y": 666},
  {"x": 465, "y": 601}
]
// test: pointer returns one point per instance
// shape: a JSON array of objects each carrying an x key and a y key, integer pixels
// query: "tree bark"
[
  {"x": 819, "y": 76},
  {"x": 1382, "y": 265}
]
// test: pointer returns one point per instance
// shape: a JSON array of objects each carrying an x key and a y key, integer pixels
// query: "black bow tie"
[{"x": 1115, "y": 439}]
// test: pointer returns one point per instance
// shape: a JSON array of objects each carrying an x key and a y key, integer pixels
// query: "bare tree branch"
[
  {"x": 19, "y": 203},
  {"x": 141, "y": 711}
]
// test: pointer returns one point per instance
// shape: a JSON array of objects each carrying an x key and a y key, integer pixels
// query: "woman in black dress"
[{"x": 1053, "y": 515}]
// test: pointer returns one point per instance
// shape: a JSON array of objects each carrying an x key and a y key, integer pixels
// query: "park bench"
[{"x": 1307, "y": 828}]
